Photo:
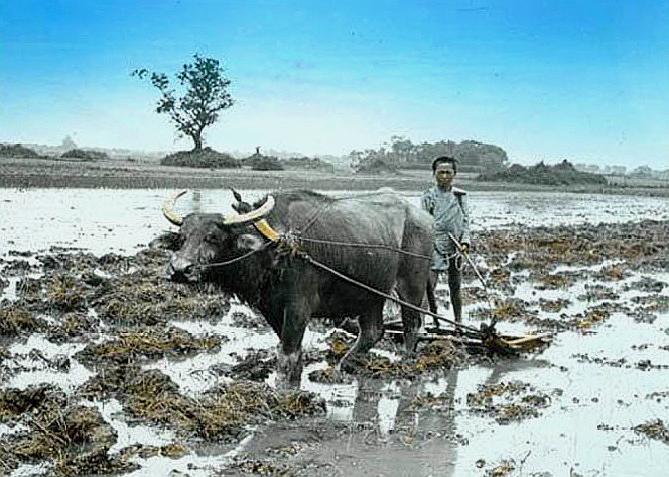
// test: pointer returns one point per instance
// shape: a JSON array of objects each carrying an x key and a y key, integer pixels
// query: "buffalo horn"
[
  {"x": 256, "y": 214},
  {"x": 168, "y": 209}
]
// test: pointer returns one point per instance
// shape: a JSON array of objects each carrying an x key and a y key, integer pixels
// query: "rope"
[
  {"x": 348, "y": 279},
  {"x": 236, "y": 259},
  {"x": 385, "y": 295},
  {"x": 365, "y": 245}
]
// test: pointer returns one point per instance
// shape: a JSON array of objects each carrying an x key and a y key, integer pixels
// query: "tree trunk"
[{"x": 197, "y": 140}]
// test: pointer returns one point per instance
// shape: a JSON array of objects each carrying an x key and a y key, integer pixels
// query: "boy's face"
[{"x": 444, "y": 174}]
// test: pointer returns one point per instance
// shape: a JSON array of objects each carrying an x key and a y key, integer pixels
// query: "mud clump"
[
  {"x": 74, "y": 439},
  {"x": 591, "y": 317},
  {"x": 150, "y": 344},
  {"x": 647, "y": 284},
  {"x": 145, "y": 300},
  {"x": 436, "y": 356},
  {"x": 472, "y": 295},
  {"x": 637, "y": 244},
  {"x": 613, "y": 273},
  {"x": 330, "y": 375},
  {"x": 16, "y": 402},
  {"x": 598, "y": 292},
  {"x": 508, "y": 401},
  {"x": 647, "y": 307},
  {"x": 66, "y": 294},
  {"x": 656, "y": 430},
  {"x": 16, "y": 320},
  {"x": 256, "y": 366},
  {"x": 511, "y": 309},
  {"x": 222, "y": 413},
  {"x": 249, "y": 465},
  {"x": 173, "y": 451},
  {"x": 555, "y": 281},
  {"x": 72, "y": 327},
  {"x": 553, "y": 306},
  {"x": 504, "y": 469},
  {"x": 250, "y": 321}
]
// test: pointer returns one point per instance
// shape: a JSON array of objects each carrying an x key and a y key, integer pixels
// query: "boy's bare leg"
[
  {"x": 431, "y": 299},
  {"x": 454, "y": 279}
]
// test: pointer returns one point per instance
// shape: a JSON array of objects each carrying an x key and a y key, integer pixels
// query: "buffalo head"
[{"x": 211, "y": 238}]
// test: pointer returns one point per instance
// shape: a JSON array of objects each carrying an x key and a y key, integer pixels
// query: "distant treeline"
[
  {"x": 401, "y": 153},
  {"x": 209, "y": 158},
  {"x": 560, "y": 174}
]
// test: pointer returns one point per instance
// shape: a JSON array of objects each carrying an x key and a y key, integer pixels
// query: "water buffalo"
[{"x": 286, "y": 288}]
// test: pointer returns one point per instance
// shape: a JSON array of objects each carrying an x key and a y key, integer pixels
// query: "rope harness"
[{"x": 289, "y": 243}]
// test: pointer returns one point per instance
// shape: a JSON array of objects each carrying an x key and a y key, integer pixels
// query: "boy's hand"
[{"x": 464, "y": 248}]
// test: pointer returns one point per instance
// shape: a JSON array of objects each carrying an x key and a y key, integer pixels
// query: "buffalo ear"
[
  {"x": 242, "y": 207},
  {"x": 249, "y": 242}
]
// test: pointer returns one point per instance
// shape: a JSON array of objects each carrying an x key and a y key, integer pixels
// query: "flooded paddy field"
[{"x": 106, "y": 368}]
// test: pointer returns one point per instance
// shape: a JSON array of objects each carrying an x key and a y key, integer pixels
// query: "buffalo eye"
[{"x": 211, "y": 238}]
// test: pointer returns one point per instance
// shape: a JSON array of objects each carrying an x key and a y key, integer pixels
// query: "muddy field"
[
  {"x": 106, "y": 368},
  {"x": 132, "y": 174}
]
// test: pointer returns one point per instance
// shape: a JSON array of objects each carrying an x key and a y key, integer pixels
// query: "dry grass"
[
  {"x": 152, "y": 344},
  {"x": 15, "y": 320}
]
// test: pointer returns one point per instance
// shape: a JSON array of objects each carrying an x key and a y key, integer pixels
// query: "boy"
[{"x": 448, "y": 206}]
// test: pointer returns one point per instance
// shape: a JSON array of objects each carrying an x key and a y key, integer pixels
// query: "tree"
[{"x": 206, "y": 93}]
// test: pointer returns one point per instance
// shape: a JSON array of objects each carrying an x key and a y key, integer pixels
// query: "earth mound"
[
  {"x": 84, "y": 155},
  {"x": 17, "y": 150},
  {"x": 260, "y": 162},
  {"x": 563, "y": 173},
  {"x": 206, "y": 158},
  {"x": 309, "y": 164}
]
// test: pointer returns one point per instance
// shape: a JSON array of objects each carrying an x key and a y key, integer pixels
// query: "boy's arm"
[{"x": 466, "y": 235}]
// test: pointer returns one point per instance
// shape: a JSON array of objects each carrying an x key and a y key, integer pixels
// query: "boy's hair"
[{"x": 445, "y": 159}]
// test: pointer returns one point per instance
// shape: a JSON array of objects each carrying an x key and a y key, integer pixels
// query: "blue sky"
[{"x": 581, "y": 80}]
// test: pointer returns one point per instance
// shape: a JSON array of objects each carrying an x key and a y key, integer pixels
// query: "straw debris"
[
  {"x": 221, "y": 413},
  {"x": 15, "y": 320},
  {"x": 654, "y": 430},
  {"x": 150, "y": 344},
  {"x": 507, "y": 401},
  {"x": 65, "y": 293},
  {"x": 15, "y": 402}
]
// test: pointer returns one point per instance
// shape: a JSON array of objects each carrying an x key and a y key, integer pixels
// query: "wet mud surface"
[{"x": 107, "y": 368}]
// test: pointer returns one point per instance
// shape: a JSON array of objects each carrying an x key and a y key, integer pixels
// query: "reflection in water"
[
  {"x": 403, "y": 435},
  {"x": 502, "y": 367}
]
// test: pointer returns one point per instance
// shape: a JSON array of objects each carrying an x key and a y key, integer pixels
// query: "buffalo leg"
[
  {"x": 411, "y": 292},
  {"x": 371, "y": 331},
  {"x": 289, "y": 356}
]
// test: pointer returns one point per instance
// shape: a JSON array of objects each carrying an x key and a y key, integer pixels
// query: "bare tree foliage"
[{"x": 205, "y": 95}]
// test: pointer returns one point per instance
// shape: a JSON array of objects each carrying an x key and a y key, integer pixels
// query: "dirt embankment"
[{"x": 131, "y": 174}]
